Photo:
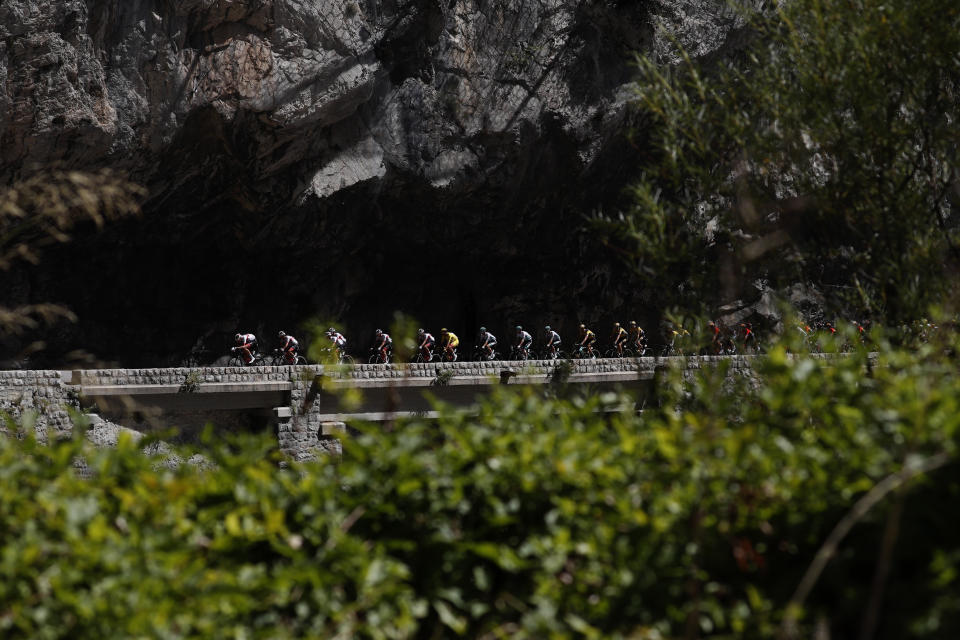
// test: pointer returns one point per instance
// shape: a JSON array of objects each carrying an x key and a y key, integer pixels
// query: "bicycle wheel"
[
  {"x": 584, "y": 353},
  {"x": 301, "y": 360},
  {"x": 280, "y": 360},
  {"x": 345, "y": 359},
  {"x": 627, "y": 353},
  {"x": 236, "y": 361}
]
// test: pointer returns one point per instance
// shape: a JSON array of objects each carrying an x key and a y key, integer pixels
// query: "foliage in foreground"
[{"x": 534, "y": 518}]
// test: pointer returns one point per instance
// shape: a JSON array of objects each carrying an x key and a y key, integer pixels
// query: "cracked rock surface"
[{"x": 340, "y": 158}]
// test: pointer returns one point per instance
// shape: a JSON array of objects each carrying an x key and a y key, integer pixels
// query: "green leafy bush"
[{"x": 532, "y": 518}]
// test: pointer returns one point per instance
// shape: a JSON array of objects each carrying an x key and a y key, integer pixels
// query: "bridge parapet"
[
  {"x": 297, "y": 400},
  {"x": 212, "y": 375}
]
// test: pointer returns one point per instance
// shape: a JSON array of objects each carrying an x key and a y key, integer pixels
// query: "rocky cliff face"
[{"x": 340, "y": 158}]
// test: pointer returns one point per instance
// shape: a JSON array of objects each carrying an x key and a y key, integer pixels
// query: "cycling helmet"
[
  {"x": 546, "y": 328},
  {"x": 444, "y": 330},
  {"x": 633, "y": 323},
  {"x": 420, "y": 332},
  {"x": 583, "y": 326},
  {"x": 379, "y": 332},
  {"x": 238, "y": 338},
  {"x": 616, "y": 325},
  {"x": 331, "y": 330},
  {"x": 281, "y": 335},
  {"x": 519, "y": 328},
  {"x": 483, "y": 329}
]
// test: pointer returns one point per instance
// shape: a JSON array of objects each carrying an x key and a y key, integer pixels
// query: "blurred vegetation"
[
  {"x": 813, "y": 498},
  {"x": 823, "y": 151},
  {"x": 704, "y": 515},
  {"x": 45, "y": 209}
]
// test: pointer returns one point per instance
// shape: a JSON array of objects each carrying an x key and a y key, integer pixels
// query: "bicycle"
[
  {"x": 332, "y": 355},
  {"x": 419, "y": 357},
  {"x": 378, "y": 357},
  {"x": 553, "y": 354},
  {"x": 519, "y": 353},
  {"x": 236, "y": 359},
  {"x": 668, "y": 350},
  {"x": 279, "y": 359},
  {"x": 613, "y": 353},
  {"x": 584, "y": 352},
  {"x": 480, "y": 355}
]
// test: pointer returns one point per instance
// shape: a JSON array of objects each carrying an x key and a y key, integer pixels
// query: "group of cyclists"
[
  {"x": 247, "y": 348},
  {"x": 624, "y": 341}
]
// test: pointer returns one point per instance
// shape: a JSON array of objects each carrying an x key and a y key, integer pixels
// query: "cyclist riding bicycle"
[
  {"x": 863, "y": 329},
  {"x": 676, "y": 339},
  {"x": 426, "y": 345},
  {"x": 552, "y": 342},
  {"x": 750, "y": 338},
  {"x": 246, "y": 345},
  {"x": 587, "y": 339},
  {"x": 637, "y": 338},
  {"x": 289, "y": 346},
  {"x": 716, "y": 340},
  {"x": 619, "y": 338},
  {"x": 523, "y": 341},
  {"x": 486, "y": 341},
  {"x": 382, "y": 345},
  {"x": 449, "y": 341},
  {"x": 338, "y": 342}
]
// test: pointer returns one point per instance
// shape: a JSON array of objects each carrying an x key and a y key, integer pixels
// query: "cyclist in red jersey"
[
  {"x": 426, "y": 345},
  {"x": 246, "y": 345}
]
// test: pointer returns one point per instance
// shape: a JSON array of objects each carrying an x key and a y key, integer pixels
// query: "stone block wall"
[
  {"x": 41, "y": 394},
  {"x": 301, "y": 433}
]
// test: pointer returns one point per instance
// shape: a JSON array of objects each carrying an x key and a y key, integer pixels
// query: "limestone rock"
[{"x": 291, "y": 129}]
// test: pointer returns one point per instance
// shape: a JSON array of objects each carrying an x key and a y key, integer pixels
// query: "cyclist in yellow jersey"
[
  {"x": 619, "y": 338},
  {"x": 449, "y": 341},
  {"x": 638, "y": 338},
  {"x": 587, "y": 338}
]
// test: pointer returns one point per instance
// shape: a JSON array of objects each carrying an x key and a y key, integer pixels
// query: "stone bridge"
[{"x": 305, "y": 405}]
